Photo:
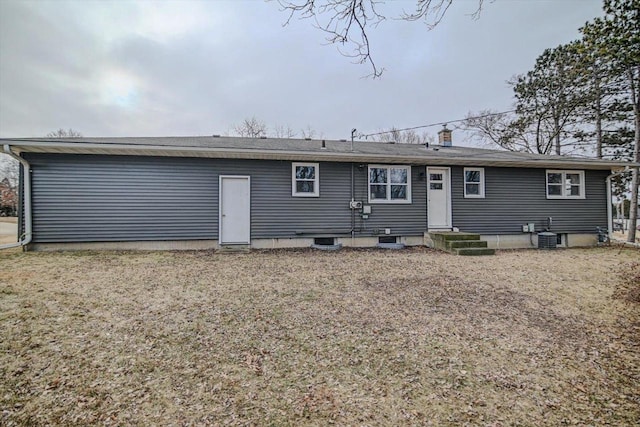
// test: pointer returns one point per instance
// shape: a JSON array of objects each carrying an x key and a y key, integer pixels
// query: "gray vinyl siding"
[
  {"x": 83, "y": 198},
  {"x": 79, "y": 198},
  {"x": 515, "y": 196}
]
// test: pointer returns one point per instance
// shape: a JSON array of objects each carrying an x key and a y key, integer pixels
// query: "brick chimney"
[{"x": 444, "y": 137}]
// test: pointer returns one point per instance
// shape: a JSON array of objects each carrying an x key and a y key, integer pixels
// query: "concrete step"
[
  {"x": 234, "y": 249},
  {"x": 459, "y": 243},
  {"x": 452, "y": 235},
  {"x": 455, "y": 244},
  {"x": 474, "y": 251}
]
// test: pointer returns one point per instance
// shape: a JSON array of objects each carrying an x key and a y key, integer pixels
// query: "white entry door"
[
  {"x": 438, "y": 198},
  {"x": 235, "y": 210}
]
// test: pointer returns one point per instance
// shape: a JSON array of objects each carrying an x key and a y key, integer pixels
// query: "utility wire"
[
  {"x": 438, "y": 123},
  {"x": 366, "y": 136}
]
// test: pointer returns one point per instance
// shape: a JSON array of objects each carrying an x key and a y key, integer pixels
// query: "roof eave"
[{"x": 323, "y": 155}]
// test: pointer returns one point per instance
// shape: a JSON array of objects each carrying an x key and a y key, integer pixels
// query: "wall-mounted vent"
[{"x": 547, "y": 240}]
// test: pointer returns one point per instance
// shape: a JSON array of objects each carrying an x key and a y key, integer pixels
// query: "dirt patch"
[{"x": 357, "y": 337}]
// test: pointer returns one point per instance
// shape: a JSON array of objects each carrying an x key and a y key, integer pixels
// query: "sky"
[{"x": 187, "y": 68}]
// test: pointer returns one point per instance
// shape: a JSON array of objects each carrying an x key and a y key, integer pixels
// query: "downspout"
[
  {"x": 25, "y": 238},
  {"x": 609, "y": 210},
  {"x": 353, "y": 212}
]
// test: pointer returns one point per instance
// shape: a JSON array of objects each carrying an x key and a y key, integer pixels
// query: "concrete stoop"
[
  {"x": 233, "y": 249},
  {"x": 468, "y": 244}
]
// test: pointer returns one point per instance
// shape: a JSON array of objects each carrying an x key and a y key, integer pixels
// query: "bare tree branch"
[
  {"x": 62, "y": 133},
  {"x": 251, "y": 128},
  {"x": 405, "y": 136},
  {"x": 281, "y": 131},
  {"x": 346, "y": 22}
]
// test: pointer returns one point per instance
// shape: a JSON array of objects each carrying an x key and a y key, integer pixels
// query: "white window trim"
[
  {"x": 316, "y": 181},
  {"x": 389, "y": 201},
  {"x": 480, "y": 184},
  {"x": 562, "y": 185}
]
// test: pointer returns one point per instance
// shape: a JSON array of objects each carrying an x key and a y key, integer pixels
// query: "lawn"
[{"x": 357, "y": 337}]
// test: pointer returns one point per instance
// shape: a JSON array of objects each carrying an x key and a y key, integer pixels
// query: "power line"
[
  {"x": 438, "y": 123},
  {"x": 366, "y": 136}
]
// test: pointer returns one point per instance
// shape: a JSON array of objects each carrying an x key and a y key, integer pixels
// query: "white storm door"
[
  {"x": 438, "y": 198},
  {"x": 235, "y": 210}
]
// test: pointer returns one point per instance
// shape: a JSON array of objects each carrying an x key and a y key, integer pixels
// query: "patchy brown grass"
[
  {"x": 358, "y": 337},
  {"x": 629, "y": 287}
]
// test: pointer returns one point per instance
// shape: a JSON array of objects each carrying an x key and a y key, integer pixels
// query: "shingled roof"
[{"x": 305, "y": 150}]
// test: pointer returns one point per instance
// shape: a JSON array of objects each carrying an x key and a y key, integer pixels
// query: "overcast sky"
[{"x": 171, "y": 68}]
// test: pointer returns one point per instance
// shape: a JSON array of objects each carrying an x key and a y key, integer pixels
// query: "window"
[
  {"x": 436, "y": 181},
  {"x": 389, "y": 184},
  {"x": 473, "y": 182},
  {"x": 565, "y": 184},
  {"x": 305, "y": 180}
]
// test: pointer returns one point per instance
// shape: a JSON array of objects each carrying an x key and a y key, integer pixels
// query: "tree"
[
  {"x": 347, "y": 22},
  {"x": 62, "y": 133},
  {"x": 281, "y": 131},
  {"x": 9, "y": 176},
  {"x": 616, "y": 38},
  {"x": 547, "y": 99},
  {"x": 404, "y": 137},
  {"x": 9, "y": 170},
  {"x": 308, "y": 132},
  {"x": 251, "y": 128}
]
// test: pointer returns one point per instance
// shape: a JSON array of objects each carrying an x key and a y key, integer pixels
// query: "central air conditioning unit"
[{"x": 547, "y": 240}]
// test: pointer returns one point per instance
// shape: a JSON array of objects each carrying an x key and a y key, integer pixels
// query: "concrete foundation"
[
  {"x": 526, "y": 240},
  {"x": 164, "y": 245},
  {"x": 512, "y": 241}
]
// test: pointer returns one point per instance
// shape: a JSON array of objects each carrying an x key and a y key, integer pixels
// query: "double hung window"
[
  {"x": 305, "y": 178},
  {"x": 473, "y": 182}
]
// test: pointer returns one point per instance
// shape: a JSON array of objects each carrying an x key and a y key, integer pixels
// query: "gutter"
[
  {"x": 25, "y": 238},
  {"x": 609, "y": 208}
]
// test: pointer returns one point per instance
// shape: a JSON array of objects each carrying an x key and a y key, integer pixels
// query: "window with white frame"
[
  {"x": 565, "y": 184},
  {"x": 473, "y": 182},
  {"x": 305, "y": 178},
  {"x": 389, "y": 184}
]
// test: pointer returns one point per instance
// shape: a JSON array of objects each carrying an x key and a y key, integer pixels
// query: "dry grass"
[{"x": 410, "y": 337}]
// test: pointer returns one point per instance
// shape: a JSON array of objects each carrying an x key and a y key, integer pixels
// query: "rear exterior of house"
[{"x": 107, "y": 196}]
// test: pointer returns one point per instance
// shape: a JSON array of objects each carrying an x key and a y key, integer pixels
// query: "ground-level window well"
[
  {"x": 324, "y": 241},
  {"x": 388, "y": 239}
]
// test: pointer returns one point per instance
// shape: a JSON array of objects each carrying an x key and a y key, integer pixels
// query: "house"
[{"x": 204, "y": 192}]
